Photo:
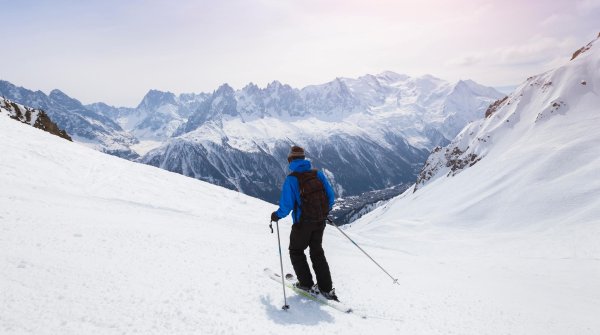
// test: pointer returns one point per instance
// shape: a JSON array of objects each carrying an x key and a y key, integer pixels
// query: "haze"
[{"x": 115, "y": 51}]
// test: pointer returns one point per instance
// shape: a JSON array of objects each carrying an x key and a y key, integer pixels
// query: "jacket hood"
[{"x": 300, "y": 165}]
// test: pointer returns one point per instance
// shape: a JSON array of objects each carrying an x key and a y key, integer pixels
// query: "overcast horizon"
[{"x": 115, "y": 52}]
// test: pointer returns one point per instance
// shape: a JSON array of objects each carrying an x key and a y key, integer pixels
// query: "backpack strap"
[{"x": 303, "y": 174}]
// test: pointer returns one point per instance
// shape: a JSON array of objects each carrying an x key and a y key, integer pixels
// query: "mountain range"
[
  {"x": 82, "y": 124},
  {"x": 367, "y": 133}
]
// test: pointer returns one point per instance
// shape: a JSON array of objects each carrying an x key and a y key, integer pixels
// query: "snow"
[
  {"x": 265, "y": 132},
  {"x": 370, "y": 107},
  {"x": 18, "y": 111},
  {"x": 94, "y": 244},
  {"x": 129, "y": 122},
  {"x": 521, "y": 226},
  {"x": 145, "y": 146}
]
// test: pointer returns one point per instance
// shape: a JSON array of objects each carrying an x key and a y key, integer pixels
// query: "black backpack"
[{"x": 315, "y": 205}]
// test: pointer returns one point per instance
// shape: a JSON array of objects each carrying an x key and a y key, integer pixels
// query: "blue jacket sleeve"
[
  {"x": 328, "y": 189},
  {"x": 286, "y": 200}
]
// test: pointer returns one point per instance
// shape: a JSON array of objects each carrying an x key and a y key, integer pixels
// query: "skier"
[{"x": 308, "y": 194}]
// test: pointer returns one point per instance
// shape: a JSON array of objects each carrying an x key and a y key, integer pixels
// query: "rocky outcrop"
[
  {"x": 447, "y": 161},
  {"x": 494, "y": 106},
  {"x": 584, "y": 48},
  {"x": 35, "y": 117}
]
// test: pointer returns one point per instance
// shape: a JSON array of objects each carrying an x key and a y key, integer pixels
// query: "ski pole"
[
  {"x": 285, "y": 305},
  {"x": 371, "y": 258}
]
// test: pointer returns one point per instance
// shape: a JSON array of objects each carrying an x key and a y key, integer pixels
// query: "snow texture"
[{"x": 95, "y": 244}]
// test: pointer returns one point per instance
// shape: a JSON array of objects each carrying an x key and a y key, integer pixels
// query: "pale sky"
[{"x": 116, "y": 50}]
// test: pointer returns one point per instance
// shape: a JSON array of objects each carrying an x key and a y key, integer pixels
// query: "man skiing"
[{"x": 308, "y": 194}]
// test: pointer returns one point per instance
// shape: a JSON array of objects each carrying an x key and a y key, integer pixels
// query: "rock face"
[
  {"x": 583, "y": 49},
  {"x": 352, "y": 164},
  {"x": 34, "y": 117},
  {"x": 539, "y": 102},
  {"x": 451, "y": 160},
  {"x": 494, "y": 107},
  {"x": 84, "y": 125}
]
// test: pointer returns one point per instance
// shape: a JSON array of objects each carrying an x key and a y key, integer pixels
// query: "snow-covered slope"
[
  {"x": 368, "y": 133},
  {"x": 98, "y": 245},
  {"x": 547, "y": 128},
  {"x": 520, "y": 189},
  {"x": 93, "y": 244},
  {"x": 84, "y": 125}
]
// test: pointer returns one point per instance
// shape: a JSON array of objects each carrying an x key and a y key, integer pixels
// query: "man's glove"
[{"x": 274, "y": 217}]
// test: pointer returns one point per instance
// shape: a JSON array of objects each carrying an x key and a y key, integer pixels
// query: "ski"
[{"x": 289, "y": 282}]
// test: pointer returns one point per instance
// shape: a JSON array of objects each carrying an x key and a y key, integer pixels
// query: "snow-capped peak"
[
  {"x": 62, "y": 97},
  {"x": 155, "y": 98},
  {"x": 391, "y": 76},
  {"x": 224, "y": 90}
]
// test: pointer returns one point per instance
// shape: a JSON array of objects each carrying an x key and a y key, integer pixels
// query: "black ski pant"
[{"x": 309, "y": 235}]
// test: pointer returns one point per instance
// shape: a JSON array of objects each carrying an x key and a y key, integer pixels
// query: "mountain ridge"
[
  {"x": 83, "y": 125},
  {"x": 368, "y": 133},
  {"x": 540, "y": 98},
  {"x": 388, "y": 120}
]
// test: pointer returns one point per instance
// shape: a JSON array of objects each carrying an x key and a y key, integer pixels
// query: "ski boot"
[
  {"x": 330, "y": 295},
  {"x": 302, "y": 287}
]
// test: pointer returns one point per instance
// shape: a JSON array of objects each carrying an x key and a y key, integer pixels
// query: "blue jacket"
[{"x": 290, "y": 194}]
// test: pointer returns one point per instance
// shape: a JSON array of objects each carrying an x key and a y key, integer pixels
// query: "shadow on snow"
[{"x": 302, "y": 311}]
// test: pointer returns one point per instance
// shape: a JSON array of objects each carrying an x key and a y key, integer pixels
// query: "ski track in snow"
[{"x": 93, "y": 244}]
